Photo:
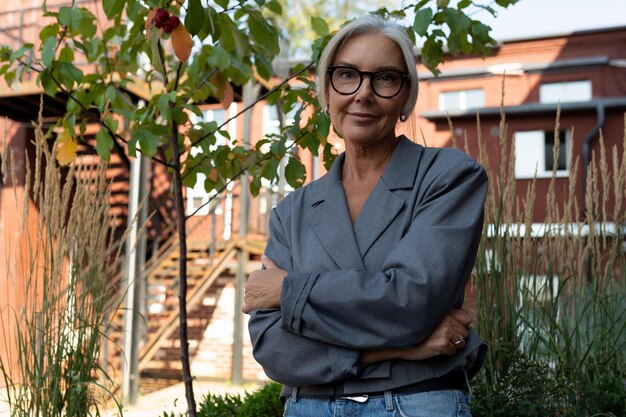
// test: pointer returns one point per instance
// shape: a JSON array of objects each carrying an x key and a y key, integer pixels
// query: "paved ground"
[{"x": 171, "y": 399}]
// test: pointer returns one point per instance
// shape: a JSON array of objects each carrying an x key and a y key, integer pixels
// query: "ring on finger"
[{"x": 458, "y": 342}]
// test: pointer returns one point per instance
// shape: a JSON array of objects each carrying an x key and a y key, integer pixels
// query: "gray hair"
[{"x": 370, "y": 24}]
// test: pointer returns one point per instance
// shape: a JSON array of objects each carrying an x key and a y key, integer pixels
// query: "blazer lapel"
[
  {"x": 329, "y": 218},
  {"x": 383, "y": 205}
]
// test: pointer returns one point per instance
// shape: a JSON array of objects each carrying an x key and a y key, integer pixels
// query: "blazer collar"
[
  {"x": 384, "y": 204},
  {"x": 330, "y": 220},
  {"x": 329, "y": 216}
]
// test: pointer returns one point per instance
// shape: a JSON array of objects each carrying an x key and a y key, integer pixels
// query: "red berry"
[
  {"x": 167, "y": 28},
  {"x": 162, "y": 15},
  {"x": 174, "y": 21},
  {"x": 157, "y": 23}
]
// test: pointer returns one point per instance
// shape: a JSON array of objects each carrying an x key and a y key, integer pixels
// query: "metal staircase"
[{"x": 211, "y": 265}]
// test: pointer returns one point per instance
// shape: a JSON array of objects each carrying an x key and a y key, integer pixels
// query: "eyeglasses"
[{"x": 385, "y": 83}]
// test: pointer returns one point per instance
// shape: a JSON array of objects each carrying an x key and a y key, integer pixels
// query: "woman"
[{"x": 357, "y": 311}]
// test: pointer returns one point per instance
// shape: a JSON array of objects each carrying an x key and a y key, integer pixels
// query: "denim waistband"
[{"x": 452, "y": 380}]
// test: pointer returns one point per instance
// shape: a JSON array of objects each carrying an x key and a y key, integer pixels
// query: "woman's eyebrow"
[{"x": 383, "y": 68}]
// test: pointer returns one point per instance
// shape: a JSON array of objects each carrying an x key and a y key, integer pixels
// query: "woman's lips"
[{"x": 362, "y": 117}]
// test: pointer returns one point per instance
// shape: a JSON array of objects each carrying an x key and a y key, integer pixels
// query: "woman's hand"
[
  {"x": 263, "y": 287},
  {"x": 446, "y": 339}
]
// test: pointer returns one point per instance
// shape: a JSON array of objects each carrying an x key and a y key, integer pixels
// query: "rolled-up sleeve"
[
  {"x": 421, "y": 280},
  {"x": 286, "y": 357}
]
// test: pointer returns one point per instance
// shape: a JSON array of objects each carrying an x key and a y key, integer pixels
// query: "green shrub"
[
  {"x": 264, "y": 402},
  {"x": 220, "y": 405},
  {"x": 529, "y": 388}
]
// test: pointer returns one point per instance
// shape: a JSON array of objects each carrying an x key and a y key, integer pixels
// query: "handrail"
[
  {"x": 170, "y": 244},
  {"x": 195, "y": 296}
]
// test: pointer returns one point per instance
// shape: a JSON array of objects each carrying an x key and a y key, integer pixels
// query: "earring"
[
  {"x": 403, "y": 118},
  {"x": 326, "y": 110}
]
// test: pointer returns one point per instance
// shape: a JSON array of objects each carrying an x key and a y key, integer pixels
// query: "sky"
[{"x": 529, "y": 18}]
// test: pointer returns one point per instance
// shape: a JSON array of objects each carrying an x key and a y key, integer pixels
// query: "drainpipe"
[
  {"x": 590, "y": 136},
  {"x": 586, "y": 159},
  {"x": 135, "y": 254},
  {"x": 250, "y": 94}
]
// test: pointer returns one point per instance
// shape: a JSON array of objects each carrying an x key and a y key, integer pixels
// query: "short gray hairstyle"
[{"x": 370, "y": 24}]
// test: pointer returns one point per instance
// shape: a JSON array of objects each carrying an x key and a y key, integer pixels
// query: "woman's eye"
[
  {"x": 387, "y": 77},
  {"x": 347, "y": 74}
]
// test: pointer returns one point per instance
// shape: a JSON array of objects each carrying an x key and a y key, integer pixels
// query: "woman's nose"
[{"x": 365, "y": 91}]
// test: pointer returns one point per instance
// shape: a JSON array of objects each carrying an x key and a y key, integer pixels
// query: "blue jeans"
[{"x": 443, "y": 403}]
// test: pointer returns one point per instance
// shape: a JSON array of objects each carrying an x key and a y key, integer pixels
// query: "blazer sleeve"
[
  {"x": 422, "y": 278},
  {"x": 286, "y": 357}
]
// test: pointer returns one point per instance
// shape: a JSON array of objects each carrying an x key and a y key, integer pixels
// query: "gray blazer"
[{"x": 386, "y": 281}]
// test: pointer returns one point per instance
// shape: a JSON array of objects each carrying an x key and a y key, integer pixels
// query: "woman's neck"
[{"x": 366, "y": 163}]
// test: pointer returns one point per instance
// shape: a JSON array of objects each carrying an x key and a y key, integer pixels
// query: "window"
[
  {"x": 461, "y": 100},
  {"x": 197, "y": 196},
  {"x": 534, "y": 154},
  {"x": 271, "y": 121},
  {"x": 536, "y": 295},
  {"x": 272, "y": 126},
  {"x": 563, "y": 92}
]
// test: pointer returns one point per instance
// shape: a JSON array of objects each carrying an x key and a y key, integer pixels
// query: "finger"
[
  {"x": 459, "y": 342},
  {"x": 449, "y": 349},
  {"x": 267, "y": 262},
  {"x": 460, "y": 329},
  {"x": 463, "y": 317}
]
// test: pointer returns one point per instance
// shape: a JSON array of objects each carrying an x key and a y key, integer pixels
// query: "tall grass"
[
  {"x": 64, "y": 270},
  {"x": 551, "y": 296}
]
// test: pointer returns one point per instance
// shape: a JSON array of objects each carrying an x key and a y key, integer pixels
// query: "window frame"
[{"x": 525, "y": 156}]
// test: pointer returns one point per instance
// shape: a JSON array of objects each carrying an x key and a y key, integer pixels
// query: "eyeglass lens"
[{"x": 385, "y": 83}]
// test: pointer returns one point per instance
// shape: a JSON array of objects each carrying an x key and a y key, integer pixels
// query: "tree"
[
  {"x": 187, "y": 53},
  {"x": 299, "y": 37}
]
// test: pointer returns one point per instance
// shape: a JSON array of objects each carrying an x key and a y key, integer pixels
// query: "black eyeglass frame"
[{"x": 331, "y": 69}]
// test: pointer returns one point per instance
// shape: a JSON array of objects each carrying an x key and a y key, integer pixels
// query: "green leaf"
[
  {"x": 219, "y": 58},
  {"x": 211, "y": 23},
  {"x": 432, "y": 54},
  {"x": 194, "y": 20},
  {"x": 79, "y": 96},
  {"x": 163, "y": 104},
  {"x": 67, "y": 74},
  {"x": 155, "y": 58},
  {"x": 295, "y": 173},
  {"x": 20, "y": 52},
  {"x": 47, "y": 52},
  {"x": 275, "y": 7},
  {"x": 222, "y": 3},
  {"x": 423, "y": 19},
  {"x": 320, "y": 26},
  {"x": 457, "y": 21},
  {"x": 263, "y": 66},
  {"x": 104, "y": 144},
  {"x": 329, "y": 155},
  {"x": 48, "y": 31},
  {"x": 264, "y": 34},
  {"x": 113, "y": 8},
  {"x": 147, "y": 142},
  {"x": 464, "y": 4},
  {"x": 48, "y": 84},
  {"x": 80, "y": 21},
  {"x": 322, "y": 124},
  {"x": 67, "y": 54},
  {"x": 83, "y": 126},
  {"x": 132, "y": 146},
  {"x": 506, "y": 3},
  {"x": 270, "y": 169}
]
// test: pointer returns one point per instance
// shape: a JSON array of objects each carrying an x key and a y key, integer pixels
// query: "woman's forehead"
[{"x": 371, "y": 50}]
